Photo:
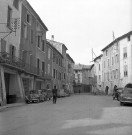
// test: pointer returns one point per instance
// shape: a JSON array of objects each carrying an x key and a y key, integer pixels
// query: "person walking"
[{"x": 54, "y": 93}]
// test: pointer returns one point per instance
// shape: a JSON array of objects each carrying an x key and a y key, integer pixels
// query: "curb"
[{"x": 11, "y": 106}]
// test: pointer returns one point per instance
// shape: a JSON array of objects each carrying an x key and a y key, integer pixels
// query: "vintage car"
[
  {"x": 126, "y": 95},
  {"x": 36, "y": 96},
  {"x": 49, "y": 94}
]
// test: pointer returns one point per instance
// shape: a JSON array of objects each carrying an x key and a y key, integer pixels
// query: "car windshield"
[
  {"x": 127, "y": 91},
  {"x": 129, "y": 85},
  {"x": 33, "y": 92}
]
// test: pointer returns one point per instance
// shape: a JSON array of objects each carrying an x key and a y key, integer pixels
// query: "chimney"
[{"x": 52, "y": 37}]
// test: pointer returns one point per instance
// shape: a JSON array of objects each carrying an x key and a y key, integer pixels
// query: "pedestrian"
[
  {"x": 79, "y": 91},
  {"x": 54, "y": 93}
]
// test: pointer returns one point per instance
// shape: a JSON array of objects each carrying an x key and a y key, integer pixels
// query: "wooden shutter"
[{"x": 3, "y": 45}]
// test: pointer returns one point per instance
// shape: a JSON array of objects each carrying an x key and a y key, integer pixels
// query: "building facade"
[
  {"x": 11, "y": 89},
  {"x": 98, "y": 72},
  {"x": 125, "y": 43},
  {"x": 62, "y": 50},
  {"x": 32, "y": 48},
  {"x": 117, "y": 63},
  {"x": 69, "y": 73},
  {"x": 82, "y": 76}
]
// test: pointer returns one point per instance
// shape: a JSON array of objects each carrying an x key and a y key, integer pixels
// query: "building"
[
  {"x": 32, "y": 48},
  {"x": 98, "y": 72},
  {"x": 125, "y": 49},
  {"x": 62, "y": 50},
  {"x": 23, "y": 51},
  {"x": 11, "y": 89},
  {"x": 57, "y": 68},
  {"x": 117, "y": 63},
  {"x": 82, "y": 77},
  {"x": 69, "y": 73}
]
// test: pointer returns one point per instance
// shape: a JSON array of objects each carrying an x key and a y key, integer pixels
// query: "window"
[
  {"x": 3, "y": 45},
  {"x": 104, "y": 64},
  {"x": 15, "y": 3},
  {"x": 117, "y": 58},
  {"x": 116, "y": 73},
  {"x": 43, "y": 67},
  {"x": 128, "y": 38},
  {"x": 125, "y": 71},
  {"x": 39, "y": 39},
  {"x": 99, "y": 67},
  {"x": 48, "y": 68},
  {"x": 12, "y": 51},
  {"x": 25, "y": 31},
  {"x": 99, "y": 78},
  {"x": 108, "y": 76},
  {"x": 28, "y": 18},
  {"x": 54, "y": 73},
  {"x": 112, "y": 61},
  {"x": 56, "y": 60},
  {"x": 106, "y": 52},
  {"x": 38, "y": 61},
  {"x": 43, "y": 45},
  {"x": 31, "y": 36},
  {"x": 49, "y": 52},
  {"x": 9, "y": 16},
  {"x": 125, "y": 52},
  {"x": 53, "y": 57},
  {"x": 108, "y": 63},
  {"x": 64, "y": 76}
]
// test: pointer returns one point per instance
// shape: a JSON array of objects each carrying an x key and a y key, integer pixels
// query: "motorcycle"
[{"x": 115, "y": 96}]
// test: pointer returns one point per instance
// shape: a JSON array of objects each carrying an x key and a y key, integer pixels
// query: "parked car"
[
  {"x": 36, "y": 96},
  {"x": 49, "y": 94},
  {"x": 126, "y": 95},
  {"x": 45, "y": 94},
  {"x": 61, "y": 93}
]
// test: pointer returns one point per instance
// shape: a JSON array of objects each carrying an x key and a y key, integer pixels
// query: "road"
[{"x": 74, "y": 115}]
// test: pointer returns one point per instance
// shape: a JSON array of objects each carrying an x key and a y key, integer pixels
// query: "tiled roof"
[
  {"x": 98, "y": 57},
  {"x": 70, "y": 57},
  {"x": 56, "y": 43},
  {"x": 116, "y": 40},
  {"x": 81, "y": 67},
  {"x": 54, "y": 48}
]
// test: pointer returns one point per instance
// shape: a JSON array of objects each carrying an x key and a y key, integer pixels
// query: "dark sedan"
[{"x": 126, "y": 95}]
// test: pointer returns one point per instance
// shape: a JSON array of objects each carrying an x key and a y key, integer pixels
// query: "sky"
[{"x": 84, "y": 24}]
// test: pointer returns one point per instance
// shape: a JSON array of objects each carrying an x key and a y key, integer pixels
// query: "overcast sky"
[{"x": 84, "y": 24}]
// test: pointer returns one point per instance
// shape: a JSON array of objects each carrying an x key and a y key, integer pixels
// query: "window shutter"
[{"x": 3, "y": 45}]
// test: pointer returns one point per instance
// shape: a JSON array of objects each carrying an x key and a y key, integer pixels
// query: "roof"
[
  {"x": 116, "y": 40},
  {"x": 92, "y": 66},
  {"x": 54, "y": 48},
  {"x": 56, "y": 43},
  {"x": 98, "y": 57},
  {"x": 37, "y": 16},
  {"x": 70, "y": 57},
  {"x": 81, "y": 67}
]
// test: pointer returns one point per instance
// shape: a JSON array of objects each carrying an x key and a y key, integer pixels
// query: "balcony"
[{"x": 13, "y": 62}]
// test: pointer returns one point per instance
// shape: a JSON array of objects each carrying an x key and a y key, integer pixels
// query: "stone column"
[
  {"x": 20, "y": 85},
  {"x": 3, "y": 88}
]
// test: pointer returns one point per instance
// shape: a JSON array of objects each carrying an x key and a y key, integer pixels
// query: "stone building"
[
  {"x": 98, "y": 71},
  {"x": 82, "y": 77},
  {"x": 69, "y": 73}
]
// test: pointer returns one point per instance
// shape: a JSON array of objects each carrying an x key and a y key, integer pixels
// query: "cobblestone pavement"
[{"x": 75, "y": 115}]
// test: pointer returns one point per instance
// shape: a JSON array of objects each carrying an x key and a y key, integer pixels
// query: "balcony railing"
[{"x": 18, "y": 64}]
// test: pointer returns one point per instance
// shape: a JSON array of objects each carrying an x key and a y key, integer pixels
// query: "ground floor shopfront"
[{"x": 15, "y": 84}]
